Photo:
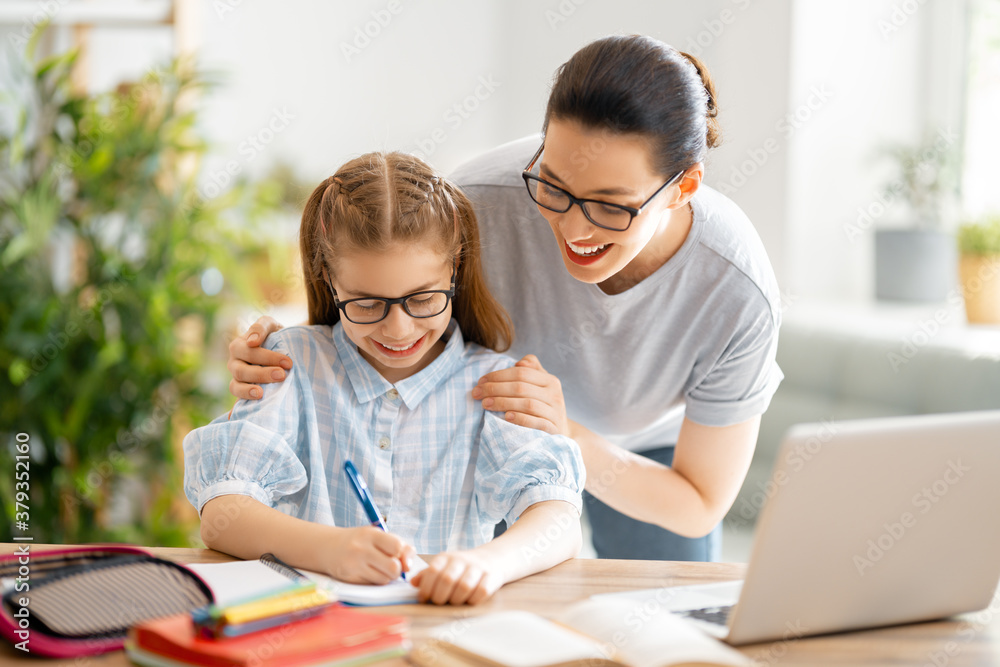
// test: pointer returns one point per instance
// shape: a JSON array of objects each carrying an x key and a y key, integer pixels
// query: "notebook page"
[
  {"x": 241, "y": 580},
  {"x": 644, "y": 637},
  {"x": 538, "y": 642},
  {"x": 395, "y": 592}
]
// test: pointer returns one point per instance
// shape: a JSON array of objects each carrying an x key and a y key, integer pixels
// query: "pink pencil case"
[{"x": 82, "y": 600}]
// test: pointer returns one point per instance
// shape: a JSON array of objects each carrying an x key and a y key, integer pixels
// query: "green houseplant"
[
  {"x": 105, "y": 244},
  {"x": 979, "y": 269},
  {"x": 915, "y": 261}
]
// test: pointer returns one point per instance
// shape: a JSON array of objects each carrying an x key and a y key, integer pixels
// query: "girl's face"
[
  {"x": 399, "y": 345},
  {"x": 594, "y": 164}
]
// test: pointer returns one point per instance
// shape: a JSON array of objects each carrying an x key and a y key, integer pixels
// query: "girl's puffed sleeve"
[
  {"x": 239, "y": 458},
  {"x": 250, "y": 451},
  {"x": 518, "y": 467}
]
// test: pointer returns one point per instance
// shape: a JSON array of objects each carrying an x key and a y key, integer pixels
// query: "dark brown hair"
[
  {"x": 380, "y": 199},
  {"x": 637, "y": 84}
]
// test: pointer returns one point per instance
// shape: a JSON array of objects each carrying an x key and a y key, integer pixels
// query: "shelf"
[
  {"x": 934, "y": 324},
  {"x": 96, "y": 12}
]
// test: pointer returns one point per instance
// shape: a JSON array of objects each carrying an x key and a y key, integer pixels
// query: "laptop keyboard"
[{"x": 717, "y": 615}]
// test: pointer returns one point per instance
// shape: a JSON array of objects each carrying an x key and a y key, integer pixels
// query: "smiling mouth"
[
  {"x": 586, "y": 250},
  {"x": 586, "y": 254},
  {"x": 400, "y": 351}
]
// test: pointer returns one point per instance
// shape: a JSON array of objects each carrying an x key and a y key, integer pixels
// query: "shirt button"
[
  {"x": 383, "y": 443},
  {"x": 393, "y": 394}
]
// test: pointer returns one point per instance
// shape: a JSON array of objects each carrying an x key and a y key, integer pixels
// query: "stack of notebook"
[{"x": 266, "y": 613}]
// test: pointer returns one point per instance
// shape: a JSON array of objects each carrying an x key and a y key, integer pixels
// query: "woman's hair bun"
[
  {"x": 714, "y": 135},
  {"x": 635, "y": 84}
]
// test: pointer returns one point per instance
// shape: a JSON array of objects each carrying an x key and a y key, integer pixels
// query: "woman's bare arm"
[{"x": 688, "y": 497}]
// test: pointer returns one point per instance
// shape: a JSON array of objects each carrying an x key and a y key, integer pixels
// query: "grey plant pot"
[{"x": 917, "y": 265}]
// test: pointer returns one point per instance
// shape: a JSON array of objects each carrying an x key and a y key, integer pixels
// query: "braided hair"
[{"x": 381, "y": 199}]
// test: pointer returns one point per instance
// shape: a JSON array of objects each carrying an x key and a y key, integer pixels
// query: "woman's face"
[
  {"x": 597, "y": 164},
  {"x": 399, "y": 345}
]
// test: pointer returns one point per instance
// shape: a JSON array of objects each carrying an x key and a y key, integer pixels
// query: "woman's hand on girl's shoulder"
[
  {"x": 527, "y": 394},
  {"x": 458, "y": 577},
  {"x": 252, "y": 365}
]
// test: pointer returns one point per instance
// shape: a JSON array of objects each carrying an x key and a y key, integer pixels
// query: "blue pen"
[{"x": 361, "y": 491}]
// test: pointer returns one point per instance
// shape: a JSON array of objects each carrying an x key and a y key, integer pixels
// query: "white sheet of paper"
[
  {"x": 240, "y": 580},
  {"x": 536, "y": 641},
  {"x": 395, "y": 592}
]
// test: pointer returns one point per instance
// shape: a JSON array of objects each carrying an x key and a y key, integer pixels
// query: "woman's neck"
[{"x": 665, "y": 243}]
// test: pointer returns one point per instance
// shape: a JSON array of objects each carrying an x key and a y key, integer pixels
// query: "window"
[{"x": 982, "y": 129}]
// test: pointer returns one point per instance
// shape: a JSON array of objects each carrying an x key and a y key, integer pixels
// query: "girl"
[
  {"x": 383, "y": 377},
  {"x": 646, "y": 293}
]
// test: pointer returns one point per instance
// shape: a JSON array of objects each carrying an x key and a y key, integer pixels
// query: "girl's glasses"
[
  {"x": 371, "y": 309},
  {"x": 604, "y": 214}
]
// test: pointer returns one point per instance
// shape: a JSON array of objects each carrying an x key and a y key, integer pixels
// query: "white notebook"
[
  {"x": 395, "y": 592},
  {"x": 588, "y": 634},
  {"x": 243, "y": 579}
]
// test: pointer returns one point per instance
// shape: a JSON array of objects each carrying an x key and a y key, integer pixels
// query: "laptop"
[{"x": 869, "y": 523}]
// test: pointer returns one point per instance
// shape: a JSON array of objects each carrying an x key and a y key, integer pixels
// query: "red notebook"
[{"x": 341, "y": 634}]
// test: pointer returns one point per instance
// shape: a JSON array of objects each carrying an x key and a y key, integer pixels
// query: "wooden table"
[{"x": 969, "y": 639}]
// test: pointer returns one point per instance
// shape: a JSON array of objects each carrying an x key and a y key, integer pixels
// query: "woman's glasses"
[
  {"x": 371, "y": 309},
  {"x": 615, "y": 217}
]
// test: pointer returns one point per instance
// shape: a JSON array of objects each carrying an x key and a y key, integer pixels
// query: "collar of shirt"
[{"x": 368, "y": 383}]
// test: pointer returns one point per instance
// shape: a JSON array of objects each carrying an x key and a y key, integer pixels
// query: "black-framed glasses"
[
  {"x": 604, "y": 214},
  {"x": 372, "y": 309}
]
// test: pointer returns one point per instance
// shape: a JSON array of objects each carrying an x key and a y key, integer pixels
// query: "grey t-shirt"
[{"x": 695, "y": 338}]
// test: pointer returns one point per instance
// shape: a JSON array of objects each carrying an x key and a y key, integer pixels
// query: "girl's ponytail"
[{"x": 312, "y": 236}]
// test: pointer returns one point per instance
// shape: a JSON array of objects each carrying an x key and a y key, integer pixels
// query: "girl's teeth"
[
  {"x": 399, "y": 349},
  {"x": 586, "y": 252}
]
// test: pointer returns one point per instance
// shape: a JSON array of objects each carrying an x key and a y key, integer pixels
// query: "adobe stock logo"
[
  {"x": 219, "y": 179},
  {"x": 923, "y": 501},
  {"x": 796, "y": 459},
  {"x": 867, "y": 215},
  {"x": 790, "y": 123},
  {"x": 364, "y": 34},
  {"x": 456, "y": 115}
]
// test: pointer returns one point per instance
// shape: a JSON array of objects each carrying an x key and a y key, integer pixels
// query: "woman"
[{"x": 649, "y": 326}]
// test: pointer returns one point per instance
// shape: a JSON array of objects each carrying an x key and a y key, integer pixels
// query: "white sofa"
[{"x": 849, "y": 362}]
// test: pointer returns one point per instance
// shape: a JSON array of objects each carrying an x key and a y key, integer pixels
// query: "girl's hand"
[
  {"x": 249, "y": 363},
  {"x": 459, "y": 577},
  {"x": 528, "y": 394},
  {"x": 367, "y": 555}
]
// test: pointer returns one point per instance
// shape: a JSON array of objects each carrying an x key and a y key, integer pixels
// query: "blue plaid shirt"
[{"x": 442, "y": 469}]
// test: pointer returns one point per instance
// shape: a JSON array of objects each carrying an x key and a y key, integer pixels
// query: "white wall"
[
  {"x": 745, "y": 45},
  {"x": 434, "y": 55},
  {"x": 349, "y": 94},
  {"x": 808, "y": 90},
  {"x": 870, "y": 57}
]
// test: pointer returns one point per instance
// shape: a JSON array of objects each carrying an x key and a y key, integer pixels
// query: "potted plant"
[
  {"x": 979, "y": 269},
  {"x": 104, "y": 314},
  {"x": 916, "y": 261}
]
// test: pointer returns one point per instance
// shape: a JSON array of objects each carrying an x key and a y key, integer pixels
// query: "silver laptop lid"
[{"x": 875, "y": 522}]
